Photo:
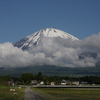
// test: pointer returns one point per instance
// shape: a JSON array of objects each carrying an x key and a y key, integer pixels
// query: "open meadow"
[
  {"x": 11, "y": 93},
  {"x": 70, "y": 93}
]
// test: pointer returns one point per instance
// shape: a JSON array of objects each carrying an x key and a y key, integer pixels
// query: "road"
[{"x": 32, "y": 95}]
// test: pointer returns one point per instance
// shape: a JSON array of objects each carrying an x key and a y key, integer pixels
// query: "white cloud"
[{"x": 64, "y": 53}]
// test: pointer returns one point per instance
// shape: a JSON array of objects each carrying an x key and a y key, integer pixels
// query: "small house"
[
  {"x": 34, "y": 82},
  {"x": 75, "y": 83},
  {"x": 52, "y": 83},
  {"x": 65, "y": 82},
  {"x": 41, "y": 83}
]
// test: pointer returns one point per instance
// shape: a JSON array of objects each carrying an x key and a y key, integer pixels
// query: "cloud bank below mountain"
[{"x": 63, "y": 53}]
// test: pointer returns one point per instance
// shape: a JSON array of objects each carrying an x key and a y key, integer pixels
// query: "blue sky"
[{"x": 20, "y": 18}]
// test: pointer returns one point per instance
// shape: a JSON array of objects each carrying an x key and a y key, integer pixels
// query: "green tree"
[
  {"x": 26, "y": 78},
  {"x": 39, "y": 76},
  {"x": 45, "y": 80},
  {"x": 6, "y": 78}
]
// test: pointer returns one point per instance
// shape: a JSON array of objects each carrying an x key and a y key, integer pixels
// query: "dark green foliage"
[
  {"x": 5, "y": 78},
  {"x": 91, "y": 79},
  {"x": 26, "y": 78},
  {"x": 39, "y": 76}
]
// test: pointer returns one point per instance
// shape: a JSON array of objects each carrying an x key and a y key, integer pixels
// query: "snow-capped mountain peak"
[
  {"x": 51, "y": 32},
  {"x": 36, "y": 37}
]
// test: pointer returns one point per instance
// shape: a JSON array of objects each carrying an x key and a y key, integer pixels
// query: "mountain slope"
[
  {"x": 55, "y": 47},
  {"x": 35, "y": 38}
]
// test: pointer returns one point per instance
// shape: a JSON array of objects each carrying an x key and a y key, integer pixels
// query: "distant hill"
[{"x": 52, "y": 71}]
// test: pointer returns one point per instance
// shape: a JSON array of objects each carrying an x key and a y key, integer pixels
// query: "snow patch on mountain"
[{"x": 36, "y": 38}]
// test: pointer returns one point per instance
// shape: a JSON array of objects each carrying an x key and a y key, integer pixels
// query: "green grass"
[
  {"x": 6, "y": 94},
  {"x": 69, "y": 94}
]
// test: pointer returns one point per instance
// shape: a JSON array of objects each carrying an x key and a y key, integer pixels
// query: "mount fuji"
[
  {"x": 51, "y": 46},
  {"x": 54, "y": 52},
  {"x": 36, "y": 38}
]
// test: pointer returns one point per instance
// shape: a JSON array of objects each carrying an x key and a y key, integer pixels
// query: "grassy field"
[
  {"x": 6, "y": 94},
  {"x": 69, "y": 93}
]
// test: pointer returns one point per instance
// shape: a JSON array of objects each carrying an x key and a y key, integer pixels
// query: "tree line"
[{"x": 26, "y": 78}]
